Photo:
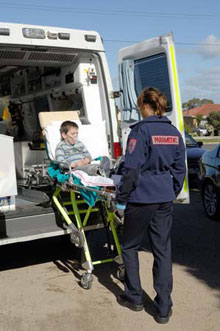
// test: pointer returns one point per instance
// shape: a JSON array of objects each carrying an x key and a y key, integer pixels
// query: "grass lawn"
[{"x": 208, "y": 139}]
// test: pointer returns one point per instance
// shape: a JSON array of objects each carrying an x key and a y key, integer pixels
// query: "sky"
[{"x": 195, "y": 25}]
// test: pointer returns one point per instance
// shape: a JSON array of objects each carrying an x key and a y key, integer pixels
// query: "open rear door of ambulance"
[{"x": 150, "y": 63}]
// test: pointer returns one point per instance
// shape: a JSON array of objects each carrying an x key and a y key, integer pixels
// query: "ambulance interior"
[{"x": 38, "y": 80}]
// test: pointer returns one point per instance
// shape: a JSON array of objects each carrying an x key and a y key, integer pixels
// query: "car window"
[{"x": 189, "y": 140}]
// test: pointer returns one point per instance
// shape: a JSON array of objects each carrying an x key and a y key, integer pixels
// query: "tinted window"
[
  {"x": 152, "y": 71},
  {"x": 189, "y": 140}
]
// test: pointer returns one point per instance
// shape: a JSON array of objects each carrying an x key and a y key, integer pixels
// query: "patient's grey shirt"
[{"x": 71, "y": 153}]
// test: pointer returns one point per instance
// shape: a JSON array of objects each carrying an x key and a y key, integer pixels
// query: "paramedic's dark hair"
[
  {"x": 65, "y": 126},
  {"x": 154, "y": 98}
]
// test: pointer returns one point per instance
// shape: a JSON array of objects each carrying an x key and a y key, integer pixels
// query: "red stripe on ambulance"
[{"x": 165, "y": 140}]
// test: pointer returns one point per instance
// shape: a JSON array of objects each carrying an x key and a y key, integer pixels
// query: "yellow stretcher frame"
[{"x": 78, "y": 227}]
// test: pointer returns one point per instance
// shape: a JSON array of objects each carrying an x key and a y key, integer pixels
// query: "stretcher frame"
[{"x": 81, "y": 217}]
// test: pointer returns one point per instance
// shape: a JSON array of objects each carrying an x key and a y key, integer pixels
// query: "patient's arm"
[
  {"x": 79, "y": 163},
  {"x": 59, "y": 154},
  {"x": 87, "y": 157}
]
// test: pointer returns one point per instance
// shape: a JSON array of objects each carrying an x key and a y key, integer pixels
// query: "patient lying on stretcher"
[{"x": 75, "y": 153}]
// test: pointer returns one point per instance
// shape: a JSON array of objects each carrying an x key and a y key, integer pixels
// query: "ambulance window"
[{"x": 152, "y": 71}]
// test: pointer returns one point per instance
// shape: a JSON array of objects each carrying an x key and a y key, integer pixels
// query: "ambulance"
[{"x": 52, "y": 69}]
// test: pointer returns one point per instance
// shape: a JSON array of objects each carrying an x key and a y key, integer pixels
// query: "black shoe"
[
  {"x": 123, "y": 301},
  {"x": 163, "y": 319}
]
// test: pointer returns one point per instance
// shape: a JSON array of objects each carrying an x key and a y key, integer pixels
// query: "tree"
[
  {"x": 188, "y": 128},
  {"x": 214, "y": 120},
  {"x": 205, "y": 101},
  {"x": 199, "y": 118},
  {"x": 195, "y": 102}
]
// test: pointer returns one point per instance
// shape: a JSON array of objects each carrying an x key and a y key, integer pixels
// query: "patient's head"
[{"x": 69, "y": 132}]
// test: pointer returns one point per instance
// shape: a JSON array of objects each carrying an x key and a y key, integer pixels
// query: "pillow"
[
  {"x": 52, "y": 134},
  {"x": 94, "y": 137}
]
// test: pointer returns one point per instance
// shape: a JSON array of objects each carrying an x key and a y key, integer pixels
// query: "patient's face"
[{"x": 71, "y": 136}]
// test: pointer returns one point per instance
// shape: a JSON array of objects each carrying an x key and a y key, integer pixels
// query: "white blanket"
[{"x": 92, "y": 180}]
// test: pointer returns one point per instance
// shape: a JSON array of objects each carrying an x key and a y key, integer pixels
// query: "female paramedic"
[{"x": 152, "y": 177}]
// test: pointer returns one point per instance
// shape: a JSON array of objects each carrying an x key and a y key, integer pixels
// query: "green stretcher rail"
[{"x": 70, "y": 204}]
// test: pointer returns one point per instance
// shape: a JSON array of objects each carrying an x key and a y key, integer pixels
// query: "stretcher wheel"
[
  {"x": 77, "y": 239},
  {"x": 86, "y": 281},
  {"x": 121, "y": 273}
]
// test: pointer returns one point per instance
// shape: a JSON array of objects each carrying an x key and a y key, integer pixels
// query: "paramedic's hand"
[{"x": 120, "y": 209}]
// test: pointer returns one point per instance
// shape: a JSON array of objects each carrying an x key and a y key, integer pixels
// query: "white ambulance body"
[{"x": 56, "y": 69}]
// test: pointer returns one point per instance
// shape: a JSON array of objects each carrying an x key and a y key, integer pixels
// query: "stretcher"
[{"x": 76, "y": 204}]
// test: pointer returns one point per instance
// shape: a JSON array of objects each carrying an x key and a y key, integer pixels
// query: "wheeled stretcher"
[{"x": 79, "y": 204}]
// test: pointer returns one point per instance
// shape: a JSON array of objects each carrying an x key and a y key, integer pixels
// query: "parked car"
[
  {"x": 210, "y": 182},
  {"x": 201, "y": 131},
  {"x": 194, "y": 152}
]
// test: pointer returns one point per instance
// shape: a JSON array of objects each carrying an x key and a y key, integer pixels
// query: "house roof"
[{"x": 204, "y": 110}]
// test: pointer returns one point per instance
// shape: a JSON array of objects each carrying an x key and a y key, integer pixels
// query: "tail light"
[{"x": 117, "y": 150}]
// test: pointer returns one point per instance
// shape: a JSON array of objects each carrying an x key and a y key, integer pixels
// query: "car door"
[
  {"x": 217, "y": 167},
  {"x": 150, "y": 63}
]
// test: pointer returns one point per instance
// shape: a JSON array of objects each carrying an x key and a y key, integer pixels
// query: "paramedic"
[
  {"x": 74, "y": 152},
  {"x": 152, "y": 177}
]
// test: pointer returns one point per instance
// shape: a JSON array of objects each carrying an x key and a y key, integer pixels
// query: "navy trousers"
[{"x": 157, "y": 219}]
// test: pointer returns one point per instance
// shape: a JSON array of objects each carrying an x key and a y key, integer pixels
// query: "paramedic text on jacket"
[{"x": 153, "y": 175}]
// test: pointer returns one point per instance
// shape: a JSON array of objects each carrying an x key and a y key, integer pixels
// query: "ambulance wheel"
[
  {"x": 121, "y": 274},
  {"x": 77, "y": 239},
  {"x": 86, "y": 281}
]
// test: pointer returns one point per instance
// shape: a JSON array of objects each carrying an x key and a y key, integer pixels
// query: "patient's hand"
[
  {"x": 74, "y": 165},
  {"x": 80, "y": 163}
]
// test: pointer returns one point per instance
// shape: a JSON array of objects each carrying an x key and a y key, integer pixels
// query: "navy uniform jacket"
[{"x": 154, "y": 167}]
